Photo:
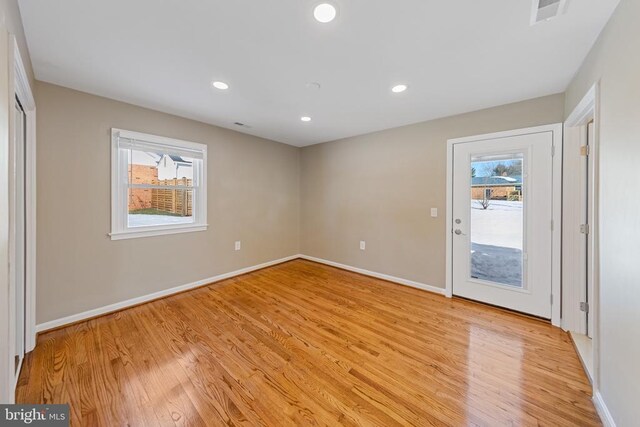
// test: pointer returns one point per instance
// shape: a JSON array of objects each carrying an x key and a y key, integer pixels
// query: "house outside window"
[{"x": 158, "y": 185}]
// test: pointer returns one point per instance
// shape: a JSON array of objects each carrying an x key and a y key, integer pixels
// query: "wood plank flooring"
[{"x": 306, "y": 344}]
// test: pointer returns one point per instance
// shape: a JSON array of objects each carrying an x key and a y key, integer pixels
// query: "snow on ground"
[
  {"x": 499, "y": 225},
  {"x": 139, "y": 220},
  {"x": 496, "y": 242}
]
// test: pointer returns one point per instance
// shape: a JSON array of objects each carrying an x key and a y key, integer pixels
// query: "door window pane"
[{"x": 497, "y": 219}]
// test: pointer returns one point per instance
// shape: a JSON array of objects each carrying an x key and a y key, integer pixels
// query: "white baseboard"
[
  {"x": 150, "y": 297},
  {"x": 406, "y": 282},
  {"x": 603, "y": 411},
  {"x": 584, "y": 347}
]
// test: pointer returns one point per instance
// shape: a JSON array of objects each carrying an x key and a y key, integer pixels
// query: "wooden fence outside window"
[{"x": 178, "y": 201}]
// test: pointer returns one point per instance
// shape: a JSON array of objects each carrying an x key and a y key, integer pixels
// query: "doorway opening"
[{"x": 580, "y": 228}]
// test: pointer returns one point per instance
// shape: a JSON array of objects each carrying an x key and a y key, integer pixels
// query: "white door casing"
[
  {"x": 17, "y": 237},
  {"x": 590, "y": 220},
  {"x": 15, "y": 83}
]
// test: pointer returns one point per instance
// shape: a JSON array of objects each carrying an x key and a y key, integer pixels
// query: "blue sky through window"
[{"x": 486, "y": 168}]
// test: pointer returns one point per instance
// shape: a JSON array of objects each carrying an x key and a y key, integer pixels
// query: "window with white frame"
[{"x": 158, "y": 185}]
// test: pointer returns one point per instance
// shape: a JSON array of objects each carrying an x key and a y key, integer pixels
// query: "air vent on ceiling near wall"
[
  {"x": 545, "y": 10},
  {"x": 242, "y": 125}
]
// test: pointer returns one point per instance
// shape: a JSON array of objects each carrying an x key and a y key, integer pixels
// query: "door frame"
[
  {"x": 24, "y": 92},
  {"x": 17, "y": 84},
  {"x": 557, "y": 135},
  {"x": 588, "y": 109}
]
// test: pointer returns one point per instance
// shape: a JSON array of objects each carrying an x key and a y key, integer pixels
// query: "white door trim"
[
  {"x": 584, "y": 111},
  {"x": 25, "y": 94},
  {"x": 18, "y": 85},
  {"x": 6, "y": 105},
  {"x": 556, "y": 130},
  {"x": 588, "y": 109}
]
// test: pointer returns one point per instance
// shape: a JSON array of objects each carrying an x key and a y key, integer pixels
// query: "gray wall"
[
  {"x": 380, "y": 188},
  {"x": 615, "y": 61},
  {"x": 253, "y": 196}
]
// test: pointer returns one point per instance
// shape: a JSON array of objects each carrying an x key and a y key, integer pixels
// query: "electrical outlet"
[
  {"x": 434, "y": 212},
  {"x": 238, "y": 245},
  {"x": 363, "y": 245}
]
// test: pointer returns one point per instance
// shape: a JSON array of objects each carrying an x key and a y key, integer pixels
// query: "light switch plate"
[
  {"x": 434, "y": 212},
  {"x": 238, "y": 245},
  {"x": 363, "y": 245}
]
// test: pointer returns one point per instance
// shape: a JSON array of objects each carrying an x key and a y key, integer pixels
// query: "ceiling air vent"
[
  {"x": 242, "y": 125},
  {"x": 545, "y": 10}
]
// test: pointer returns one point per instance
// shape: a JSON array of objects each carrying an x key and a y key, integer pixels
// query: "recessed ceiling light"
[
  {"x": 220, "y": 85},
  {"x": 324, "y": 13},
  {"x": 399, "y": 88},
  {"x": 305, "y": 118}
]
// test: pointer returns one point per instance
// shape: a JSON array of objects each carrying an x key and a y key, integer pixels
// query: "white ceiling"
[{"x": 456, "y": 56}]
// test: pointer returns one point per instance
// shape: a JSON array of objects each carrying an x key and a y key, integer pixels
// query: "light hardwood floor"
[{"x": 306, "y": 344}]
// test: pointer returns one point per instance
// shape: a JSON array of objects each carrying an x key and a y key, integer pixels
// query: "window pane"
[
  {"x": 159, "y": 206},
  {"x": 497, "y": 219},
  {"x": 154, "y": 168}
]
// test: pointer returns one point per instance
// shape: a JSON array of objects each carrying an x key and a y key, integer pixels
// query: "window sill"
[{"x": 136, "y": 234}]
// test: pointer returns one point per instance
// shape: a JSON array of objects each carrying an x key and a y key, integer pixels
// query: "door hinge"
[
  {"x": 584, "y": 306},
  {"x": 553, "y": 151},
  {"x": 551, "y": 299},
  {"x": 552, "y": 225},
  {"x": 584, "y": 228},
  {"x": 584, "y": 150}
]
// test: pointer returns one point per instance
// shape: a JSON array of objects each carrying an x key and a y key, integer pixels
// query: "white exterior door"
[{"x": 502, "y": 222}]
